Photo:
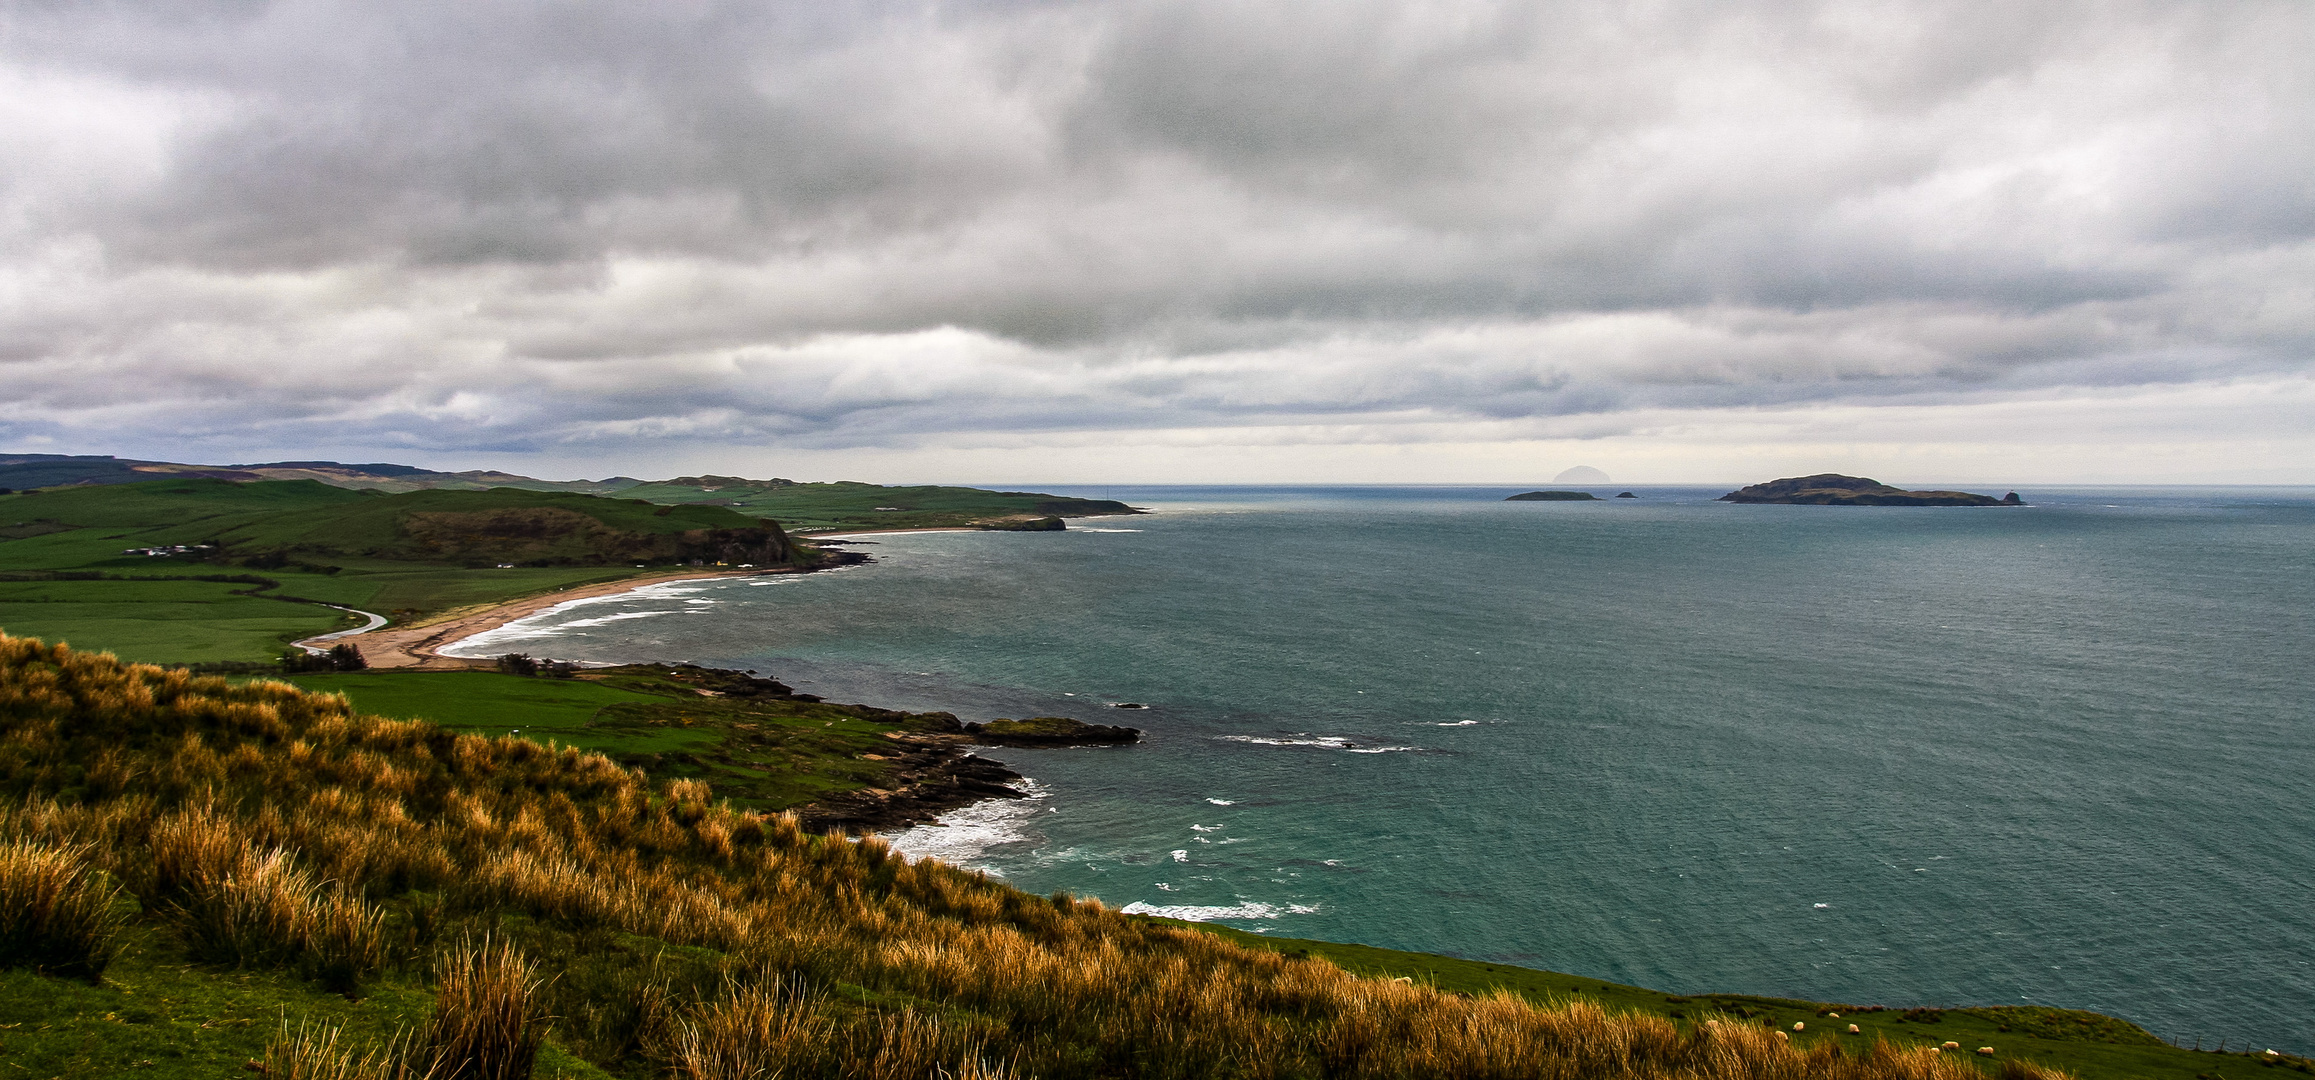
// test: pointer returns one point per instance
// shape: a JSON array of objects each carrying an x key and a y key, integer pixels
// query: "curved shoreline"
[{"x": 418, "y": 647}]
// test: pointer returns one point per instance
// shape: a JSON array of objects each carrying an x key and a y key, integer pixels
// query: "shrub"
[{"x": 56, "y": 914}]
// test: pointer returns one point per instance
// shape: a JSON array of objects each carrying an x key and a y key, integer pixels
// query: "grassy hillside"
[
  {"x": 853, "y": 505},
  {"x": 272, "y": 545},
  {"x": 814, "y": 505},
  {"x": 193, "y": 873}
]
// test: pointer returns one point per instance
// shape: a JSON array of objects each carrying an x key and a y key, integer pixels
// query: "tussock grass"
[
  {"x": 56, "y": 912},
  {"x": 486, "y": 1023},
  {"x": 266, "y": 814},
  {"x": 316, "y": 1054}
]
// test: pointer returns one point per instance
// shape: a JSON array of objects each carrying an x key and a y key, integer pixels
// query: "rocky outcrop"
[
  {"x": 1050, "y": 731},
  {"x": 1553, "y": 496},
  {"x": 934, "y": 778},
  {"x": 1834, "y": 489}
]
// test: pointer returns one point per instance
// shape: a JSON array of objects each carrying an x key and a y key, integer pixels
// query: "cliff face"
[{"x": 1834, "y": 489}]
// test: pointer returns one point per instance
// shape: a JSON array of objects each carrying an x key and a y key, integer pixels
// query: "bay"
[{"x": 2057, "y": 754}]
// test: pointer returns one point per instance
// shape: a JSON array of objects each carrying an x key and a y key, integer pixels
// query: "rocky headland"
[
  {"x": 1834, "y": 489},
  {"x": 936, "y": 771}
]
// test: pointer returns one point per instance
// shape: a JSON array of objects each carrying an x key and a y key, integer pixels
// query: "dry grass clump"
[
  {"x": 56, "y": 912},
  {"x": 239, "y": 905},
  {"x": 262, "y": 815},
  {"x": 314, "y": 1054},
  {"x": 782, "y": 1029},
  {"x": 486, "y": 1023},
  {"x": 485, "y": 1026}
]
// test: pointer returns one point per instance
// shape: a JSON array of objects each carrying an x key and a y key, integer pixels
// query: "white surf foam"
[
  {"x": 963, "y": 837},
  {"x": 547, "y": 624},
  {"x": 1251, "y": 909},
  {"x": 1323, "y": 742}
]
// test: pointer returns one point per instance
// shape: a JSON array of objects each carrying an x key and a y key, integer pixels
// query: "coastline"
[
  {"x": 934, "y": 774},
  {"x": 418, "y": 646}
]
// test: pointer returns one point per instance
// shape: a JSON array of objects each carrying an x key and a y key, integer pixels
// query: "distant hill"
[
  {"x": 260, "y": 522},
  {"x": 1834, "y": 489},
  {"x": 805, "y": 506}
]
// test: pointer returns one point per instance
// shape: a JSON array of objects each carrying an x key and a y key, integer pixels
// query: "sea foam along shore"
[
  {"x": 944, "y": 777},
  {"x": 422, "y": 645}
]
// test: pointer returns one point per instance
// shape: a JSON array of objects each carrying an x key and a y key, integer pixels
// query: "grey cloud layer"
[{"x": 514, "y": 225}]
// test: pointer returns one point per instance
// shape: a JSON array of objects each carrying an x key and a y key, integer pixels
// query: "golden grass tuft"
[
  {"x": 315, "y": 1054},
  {"x": 56, "y": 911},
  {"x": 486, "y": 1023}
]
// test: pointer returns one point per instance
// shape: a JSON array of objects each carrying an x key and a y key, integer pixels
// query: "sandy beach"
[{"x": 417, "y": 646}]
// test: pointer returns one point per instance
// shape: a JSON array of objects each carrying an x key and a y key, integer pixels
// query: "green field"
[
  {"x": 278, "y": 546},
  {"x": 764, "y": 753}
]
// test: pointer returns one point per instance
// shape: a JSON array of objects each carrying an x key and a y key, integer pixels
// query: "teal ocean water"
[{"x": 2057, "y": 755}]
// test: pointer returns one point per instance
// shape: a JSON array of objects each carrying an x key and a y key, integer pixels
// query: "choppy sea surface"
[{"x": 2058, "y": 754}]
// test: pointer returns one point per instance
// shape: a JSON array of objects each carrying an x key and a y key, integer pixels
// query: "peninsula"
[{"x": 1834, "y": 489}]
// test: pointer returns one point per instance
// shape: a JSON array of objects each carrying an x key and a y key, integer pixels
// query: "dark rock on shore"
[
  {"x": 1050, "y": 731},
  {"x": 935, "y": 777},
  {"x": 936, "y": 773},
  {"x": 1553, "y": 496},
  {"x": 1834, "y": 489}
]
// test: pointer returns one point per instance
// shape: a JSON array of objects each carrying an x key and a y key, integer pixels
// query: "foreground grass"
[
  {"x": 2085, "y": 1044},
  {"x": 266, "y": 832}
]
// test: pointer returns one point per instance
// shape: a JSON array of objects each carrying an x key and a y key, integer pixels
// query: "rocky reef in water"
[
  {"x": 1834, "y": 489},
  {"x": 1553, "y": 496},
  {"x": 1050, "y": 731}
]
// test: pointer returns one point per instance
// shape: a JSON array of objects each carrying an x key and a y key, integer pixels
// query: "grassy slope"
[
  {"x": 854, "y": 505},
  {"x": 160, "y": 1013},
  {"x": 2086, "y": 1044},
  {"x": 582, "y": 713},
  {"x": 375, "y": 521}
]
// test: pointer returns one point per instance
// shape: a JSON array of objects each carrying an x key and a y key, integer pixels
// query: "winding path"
[{"x": 310, "y": 644}]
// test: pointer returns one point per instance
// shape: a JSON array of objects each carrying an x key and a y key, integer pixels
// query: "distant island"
[
  {"x": 1834, "y": 489},
  {"x": 1553, "y": 496}
]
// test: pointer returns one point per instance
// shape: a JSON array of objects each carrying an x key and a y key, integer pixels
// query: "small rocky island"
[
  {"x": 1553, "y": 496},
  {"x": 1834, "y": 489}
]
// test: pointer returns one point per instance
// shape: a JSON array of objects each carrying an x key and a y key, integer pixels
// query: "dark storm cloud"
[{"x": 520, "y": 225}]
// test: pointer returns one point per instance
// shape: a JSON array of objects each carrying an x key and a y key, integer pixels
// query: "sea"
[{"x": 2060, "y": 754}]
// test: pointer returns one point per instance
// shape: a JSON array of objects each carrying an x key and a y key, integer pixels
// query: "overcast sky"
[{"x": 1161, "y": 241}]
